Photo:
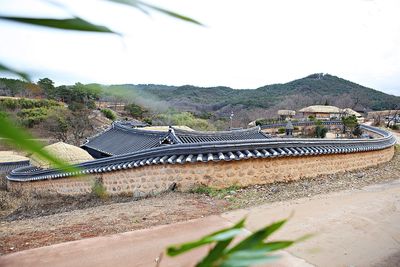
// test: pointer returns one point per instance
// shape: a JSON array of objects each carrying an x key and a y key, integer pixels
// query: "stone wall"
[
  {"x": 65, "y": 186},
  {"x": 158, "y": 178},
  {"x": 6, "y": 168}
]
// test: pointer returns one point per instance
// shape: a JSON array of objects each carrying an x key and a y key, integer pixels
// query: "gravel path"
[{"x": 44, "y": 222}]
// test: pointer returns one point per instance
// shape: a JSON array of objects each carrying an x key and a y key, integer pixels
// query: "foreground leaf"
[
  {"x": 171, "y": 13},
  {"x": 248, "y": 258},
  {"x": 142, "y": 5},
  {"x": 22, "y": 75},
  {"x": 222, "y": 235},
  {"x": 20, "y": 138},
  {"x": 258, "y": 237},
  {"x": 76, "y": 24}
]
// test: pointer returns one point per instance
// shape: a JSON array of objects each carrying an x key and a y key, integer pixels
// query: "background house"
[
  {"x": 321, "y": 112},
  {"x": 285, "y": 114},
  {"x": 350, "y": 112}
]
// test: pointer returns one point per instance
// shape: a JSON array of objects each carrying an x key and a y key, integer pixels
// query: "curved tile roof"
[
  {"x": 121, "y": 139},
  {"x": 188, "y": 137}
]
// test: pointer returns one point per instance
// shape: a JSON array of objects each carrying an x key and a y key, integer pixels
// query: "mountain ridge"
[{"x": 313, "y": 89}]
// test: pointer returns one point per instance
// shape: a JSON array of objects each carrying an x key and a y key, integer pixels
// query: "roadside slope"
[{"x": 353, "y": 228}]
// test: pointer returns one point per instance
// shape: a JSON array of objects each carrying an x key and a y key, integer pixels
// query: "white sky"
[{"x": 246, "y": 44}]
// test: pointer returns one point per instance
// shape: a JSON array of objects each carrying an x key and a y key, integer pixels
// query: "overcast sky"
[{"x": 245, "y": 44}]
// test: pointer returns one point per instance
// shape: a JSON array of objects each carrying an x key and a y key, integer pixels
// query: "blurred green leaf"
[
  {"x": 222, "y": 235},
  {"x": 253, "y": 250},
  {"x": 216, "y": 254},
  {"x": 22, "y": 75},
  {"x": 258, "y": 237},
  {"x": 171, "y": 13},
  {"x": 20, "y": 138},
  {"x": 276, "y": 245},
  {"x": 142, "y": 6},
  {"x": 76, "y": 24},
  {"x": 247, "y": 258},
  {"x": 219, "y": 249}
]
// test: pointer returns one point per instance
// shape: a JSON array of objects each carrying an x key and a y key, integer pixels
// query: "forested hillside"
[
  {"x": 313, "y": 89},
  {"x": 217, "y": 103}
]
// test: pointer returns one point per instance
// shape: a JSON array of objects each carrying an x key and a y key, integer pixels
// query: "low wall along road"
[{"x": 216, "y": 164}]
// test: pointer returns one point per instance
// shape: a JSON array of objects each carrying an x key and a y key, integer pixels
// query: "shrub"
[
  {"x": 320, "y": 131},
  {"x": 10, "y": 104},
  {"x": 109, "y": 114},
  {"x": 395, "y": 127},
  {"x": 148, "y": 121},
  {"x": 99, "y": 190},
  {"x": 32, "y": 116},
  {"x": 281, "y": 130},
  {"x": 184, "y": 118},
  {"x": 260, "y": 122},
  {"x": 205, "y": 115},
  {"x": 91, "y": 104},
  {"x": 136, "y": 111},
  {"x": 23, "y": 103},
  {"x": 350, "y": 121},
  {"x": 357, "y": 131}
]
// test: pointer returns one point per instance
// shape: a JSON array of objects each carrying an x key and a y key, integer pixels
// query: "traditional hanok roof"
[
  {"x": 320, "y": 109},
  {"x": 133, "y": 123},
  {"x": 120, "y": 139},
  {"x": 167, "y": 128},
  {"x": 205, "y": 137},
  {"x": 286, "y": 112},
  {"x": 349, "y": 111},
  {"x": 65, "y": 152}
]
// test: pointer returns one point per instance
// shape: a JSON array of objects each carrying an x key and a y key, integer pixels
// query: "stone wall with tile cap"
[{"x": 150, "y": 180}]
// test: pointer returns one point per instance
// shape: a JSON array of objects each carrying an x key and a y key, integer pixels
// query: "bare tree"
[
  {"x": 79, "y": 123},
  {"x": 393, "y": 115},
  {"x": 58, "y": 126}
]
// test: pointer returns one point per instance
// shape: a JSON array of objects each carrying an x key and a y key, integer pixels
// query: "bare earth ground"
[{"x": 29, "y": 222}]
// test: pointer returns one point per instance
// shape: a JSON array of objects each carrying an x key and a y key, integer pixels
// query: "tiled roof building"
[{"x": 122, "y": 139}]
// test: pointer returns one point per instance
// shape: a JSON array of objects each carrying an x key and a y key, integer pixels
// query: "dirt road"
[{"x": 353, "y": 228}]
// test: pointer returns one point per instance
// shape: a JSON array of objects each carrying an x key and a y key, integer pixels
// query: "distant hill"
[
  {"x": 313, "y": 89},
  {"x": 218, "y": 102}
]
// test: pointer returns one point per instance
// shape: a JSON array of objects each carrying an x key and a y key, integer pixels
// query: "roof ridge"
[
  {"x": 212, "y": 133},
  {"x": 140, "y": 131}
]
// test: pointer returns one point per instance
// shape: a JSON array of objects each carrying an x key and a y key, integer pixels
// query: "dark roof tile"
[{"x": 121, "y": 139}]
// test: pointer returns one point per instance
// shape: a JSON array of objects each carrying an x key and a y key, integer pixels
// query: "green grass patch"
[
  {"x": 99, "y": 190},
  {"x": 109, "y": 114},
  {"x": 213, "y": 192}
]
